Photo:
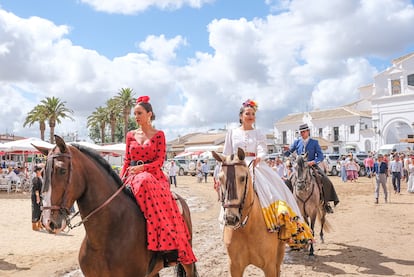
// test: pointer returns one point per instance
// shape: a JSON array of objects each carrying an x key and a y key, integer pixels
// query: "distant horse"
[
  {"x": 308, "y": 196},
  {"x": 116, "y": 242},
  {"x": 245, "y": 233}
]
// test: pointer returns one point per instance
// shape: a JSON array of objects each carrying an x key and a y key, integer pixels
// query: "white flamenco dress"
[
  {"x": 278, "y": 203},
  {"x": 410, "y": 185}
]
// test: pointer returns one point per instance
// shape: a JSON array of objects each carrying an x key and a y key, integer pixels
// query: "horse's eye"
[
  {"x": 242, "y": 179},
  {"x": 62, "y": 171}
]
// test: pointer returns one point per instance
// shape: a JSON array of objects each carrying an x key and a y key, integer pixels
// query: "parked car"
[
  {"x": 184, "y": 166},
  {"x": 331, "y": 161},
  {"x": 211, "y": 164},
  {"x": 359, "y": 158}
]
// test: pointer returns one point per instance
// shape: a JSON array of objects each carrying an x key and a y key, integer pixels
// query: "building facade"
[{"x": 383, "y": 115}]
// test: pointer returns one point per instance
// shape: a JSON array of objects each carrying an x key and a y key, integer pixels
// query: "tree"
[
  {"x": 125, "y": 99},
  {"x": 98, "y": 119},
  {"x": 55, "y": 110},
  {"x": 37, "y": 114},
  {"x": 114, "y": 110}
]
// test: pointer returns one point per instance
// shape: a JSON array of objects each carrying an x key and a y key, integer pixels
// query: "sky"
[{"x": 198, "y": 60}]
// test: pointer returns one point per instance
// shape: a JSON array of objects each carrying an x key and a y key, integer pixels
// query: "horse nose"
[
  {"x": 301, "y": 185},
  {"x": 231, "y": 219}
]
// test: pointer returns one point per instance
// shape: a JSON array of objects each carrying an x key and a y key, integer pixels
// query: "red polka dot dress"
[{"x": 166, "y": 229}]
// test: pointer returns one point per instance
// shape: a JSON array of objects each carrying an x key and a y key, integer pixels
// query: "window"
[
  {"x": 320, "y": 132},
  {"x": 284, "y": 137},
  {"x": 410, "y": 80},
  {"x": 395, "y": 87},
  {"x": 352, "y": 129},
  {"x": 336, "y": 133}
]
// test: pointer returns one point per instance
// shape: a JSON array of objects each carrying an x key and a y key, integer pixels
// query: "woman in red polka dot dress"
[{"x": 166, "y": 229}]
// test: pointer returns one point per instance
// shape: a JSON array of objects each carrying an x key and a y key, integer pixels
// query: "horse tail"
[{"x": 322, "y": 214}]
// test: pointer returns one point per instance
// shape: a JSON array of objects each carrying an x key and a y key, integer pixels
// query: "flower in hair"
[
  {"x": 143, "y": 99},
  {"x": 250, "y": 103}
]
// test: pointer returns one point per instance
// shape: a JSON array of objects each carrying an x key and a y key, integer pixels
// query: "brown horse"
[
  {"x": 245, "y": 233},
  {"x": 115, "y": 242},
  {"x": 307, "y": 193}
]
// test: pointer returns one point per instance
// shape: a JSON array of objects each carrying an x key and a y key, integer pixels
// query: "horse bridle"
[
  {"x": 310, "y": 194},
  {"x": 242, "y": 202},
  {"x": 64, "y": 210}
]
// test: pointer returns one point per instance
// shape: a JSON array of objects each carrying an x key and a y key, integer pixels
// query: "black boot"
[{"x": 328, "y": 208}]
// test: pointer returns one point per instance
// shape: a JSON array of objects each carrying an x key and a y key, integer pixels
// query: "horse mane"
[
  {"x": 105, "y": 165},
  {"x": 300, "y": 161}
]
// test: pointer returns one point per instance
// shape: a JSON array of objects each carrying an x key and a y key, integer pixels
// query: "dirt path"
[{"x": 366, "y": 239}]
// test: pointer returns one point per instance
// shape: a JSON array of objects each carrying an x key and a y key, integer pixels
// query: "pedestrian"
[
  {"x": 369, "y": 164},
  {"x": 37, "y": 182},
  {"x": 396, "y": 169},
  {"x": 199, "y": 172},
  {"x": 172, "y": 173},
  {"x": 410, "y": 182},
  {"x": 205, "y": 169},
  {"x": 352, "y": 169},
  {"x": 343, "y": 169},
  {"x": 381, "y": 173}
]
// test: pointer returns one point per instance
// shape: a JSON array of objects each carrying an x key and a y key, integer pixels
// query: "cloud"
[
  {"x": 134, "y": 6},
  {"x": 301, "y": 58}
]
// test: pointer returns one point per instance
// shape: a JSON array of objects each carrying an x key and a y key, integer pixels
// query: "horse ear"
[
  {"x": 43, "y": 150},
  {"x": 241, "y": 154},
  {"x": 218, "y": 157},
  {"x": 61, "y": 144}
]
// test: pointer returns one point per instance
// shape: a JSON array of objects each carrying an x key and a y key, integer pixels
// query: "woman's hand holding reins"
[{"x": 136, "y": 169}]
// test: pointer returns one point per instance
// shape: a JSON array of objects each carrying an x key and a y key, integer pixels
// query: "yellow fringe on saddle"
[{"x": 279, "y": 217}]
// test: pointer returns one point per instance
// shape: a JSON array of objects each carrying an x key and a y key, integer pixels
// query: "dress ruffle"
[{"x": 279, "y": 217}]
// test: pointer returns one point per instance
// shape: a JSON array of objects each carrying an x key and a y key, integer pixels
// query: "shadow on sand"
[{"x": 367, "y": 261}]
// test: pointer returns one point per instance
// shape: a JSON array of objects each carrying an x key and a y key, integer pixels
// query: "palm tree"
[
  {"x": 114, "y": 110},
  {"x": 125, "y": 99},
  {"x": 37, "y": 114},
  {"x": 99, "y": 118},
  {"x": 55, "y": 111}
]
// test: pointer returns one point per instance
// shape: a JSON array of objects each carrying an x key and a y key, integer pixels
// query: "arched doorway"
[{"x": 396, "y": 131}]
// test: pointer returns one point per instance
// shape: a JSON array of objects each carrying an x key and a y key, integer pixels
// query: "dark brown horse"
[
  {"x": 308, "y": 196},
  {"x": 115, "y": 243},
  {"x": 245, "y": 233}
]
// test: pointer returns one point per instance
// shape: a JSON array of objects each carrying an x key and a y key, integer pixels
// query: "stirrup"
[{"x": 328, "y": 208}]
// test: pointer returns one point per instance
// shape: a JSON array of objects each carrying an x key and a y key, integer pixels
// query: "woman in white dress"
[
  {"x": 279, "y": 206},
  {"x": 410, "y": 184}
]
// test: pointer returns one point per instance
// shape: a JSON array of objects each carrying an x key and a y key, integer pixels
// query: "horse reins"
[
  {"x": 241, "y": 204},
  {"x": 309, "y": 196}
]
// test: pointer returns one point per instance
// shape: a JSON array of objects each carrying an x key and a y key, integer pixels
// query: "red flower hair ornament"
[
  {"x": 251, "y": 103},
  {"x": 143, "y": 99}
]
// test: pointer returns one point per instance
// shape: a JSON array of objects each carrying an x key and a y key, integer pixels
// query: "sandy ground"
[{"x": 366, "y": 239}]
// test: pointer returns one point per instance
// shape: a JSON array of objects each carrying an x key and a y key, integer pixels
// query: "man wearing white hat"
[{"x": 305, "y": 144}]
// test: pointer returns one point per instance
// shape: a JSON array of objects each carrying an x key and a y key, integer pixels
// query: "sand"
[{"x": 366, "y": 239}]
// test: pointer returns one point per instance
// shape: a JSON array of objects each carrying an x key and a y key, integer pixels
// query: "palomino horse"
[
  {"x": 115, "y": 242},
  {"x": 245, "y": 233},
  {"x": 308, "y": 195}
]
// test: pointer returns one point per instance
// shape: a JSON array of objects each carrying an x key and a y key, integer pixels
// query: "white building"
[
  {"x": 393, "y": 101},
  {"x": 383, "y": 115}
]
